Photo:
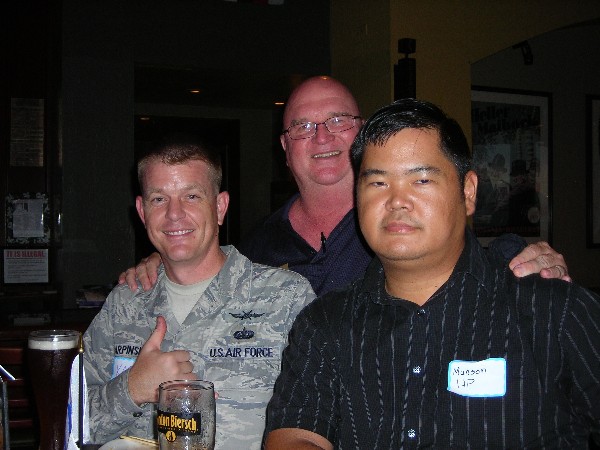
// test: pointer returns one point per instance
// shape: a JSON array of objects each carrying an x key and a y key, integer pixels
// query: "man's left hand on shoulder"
[{"x": 540, "y": 258}]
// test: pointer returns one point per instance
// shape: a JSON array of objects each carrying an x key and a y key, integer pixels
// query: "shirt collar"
[
  {"x": 473, "y": 262},
  {"x": 225, "y": 283},
  {"x": 230, "y": 280}
]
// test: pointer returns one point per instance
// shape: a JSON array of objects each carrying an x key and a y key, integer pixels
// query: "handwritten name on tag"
[
  {"x": 121, "y": 364},
  {"x": 485, "y": 378}
]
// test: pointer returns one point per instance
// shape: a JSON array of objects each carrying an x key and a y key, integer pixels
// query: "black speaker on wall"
[{"x": 405, "y": 72}]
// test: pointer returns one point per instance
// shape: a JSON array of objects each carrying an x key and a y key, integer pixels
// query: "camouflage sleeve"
[{"x": 111, "y": 410}]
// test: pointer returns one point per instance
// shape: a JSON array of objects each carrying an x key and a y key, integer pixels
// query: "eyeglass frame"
[{"x": 287, "y": 130}]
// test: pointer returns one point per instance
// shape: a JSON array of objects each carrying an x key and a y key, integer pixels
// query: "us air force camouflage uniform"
[{"x": 235, "y": 334}]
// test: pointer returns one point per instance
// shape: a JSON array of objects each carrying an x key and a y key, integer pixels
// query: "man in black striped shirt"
[{"x": 439, "y": 344}]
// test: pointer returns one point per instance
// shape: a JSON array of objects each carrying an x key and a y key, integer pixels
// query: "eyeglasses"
[{"x": 335, "y": 124}]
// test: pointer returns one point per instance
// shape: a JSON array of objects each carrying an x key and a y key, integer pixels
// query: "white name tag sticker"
[
  {"x": 121, "y": 364},
  {"x": 485, "y": 378}
]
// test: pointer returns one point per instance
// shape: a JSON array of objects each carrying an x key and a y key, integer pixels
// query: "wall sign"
[
  {"x": 27, "y": 132},
  {"x": 27, "y": 218},
  {"x": 26, "y": 265}
]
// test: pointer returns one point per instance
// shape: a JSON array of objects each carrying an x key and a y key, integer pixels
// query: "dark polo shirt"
[
  {"x": 366, "y": 370},
  {"x": 342, "y": 258}
]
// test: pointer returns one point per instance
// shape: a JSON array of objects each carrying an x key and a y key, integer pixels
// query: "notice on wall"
[
  {"x": 26, "y": 265},
  {"x": 27, "y": 132},
  {"x": 28, "y": 217}
]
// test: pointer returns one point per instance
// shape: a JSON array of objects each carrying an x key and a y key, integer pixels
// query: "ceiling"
[{"x": 218, "y": 88}]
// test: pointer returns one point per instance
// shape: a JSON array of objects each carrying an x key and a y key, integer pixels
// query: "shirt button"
[
  {"x": 412, "y": 434},
  {"x": 137, "y": 414},
  {"x": 421, "y": 312},
  {"x": 417, "y": 370}
]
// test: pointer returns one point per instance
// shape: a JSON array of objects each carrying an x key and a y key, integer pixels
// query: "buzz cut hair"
[{"x": 180, "y": 148}]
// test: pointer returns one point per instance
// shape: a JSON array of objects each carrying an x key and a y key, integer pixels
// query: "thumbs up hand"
[{"x": 154, "y": 366}]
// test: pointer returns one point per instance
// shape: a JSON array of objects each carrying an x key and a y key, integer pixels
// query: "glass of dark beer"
[{"x": 50, "y": 356}]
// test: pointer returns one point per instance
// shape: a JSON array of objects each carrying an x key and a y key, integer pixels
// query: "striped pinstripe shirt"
[{"x": 366, "y": 370}]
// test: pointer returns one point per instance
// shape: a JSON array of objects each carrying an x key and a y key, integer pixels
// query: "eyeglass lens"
[{"x": 335, "y": 124}]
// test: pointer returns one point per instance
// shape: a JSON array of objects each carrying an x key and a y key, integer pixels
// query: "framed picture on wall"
[
  {"x": 512, "y": 156},
  {"x": 593, "y": 170},
  {"x": 27, "y": 219},
  {"x": 27, "y": 132}
]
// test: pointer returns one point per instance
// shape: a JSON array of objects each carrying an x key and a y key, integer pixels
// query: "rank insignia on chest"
[
  {"x": 245, "y": 315},
  {"x": 243, "y": 334}
]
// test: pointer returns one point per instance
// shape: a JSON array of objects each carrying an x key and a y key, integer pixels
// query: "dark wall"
[
  {"x": 29, "y": 68},
  {"x": 102, "y": 43},
  {"x": 566, "y": 64}
]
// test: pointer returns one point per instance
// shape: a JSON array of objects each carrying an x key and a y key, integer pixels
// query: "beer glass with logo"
[
  {"x": 49, "y": 357},
  {"x": 185, "y": 419}
]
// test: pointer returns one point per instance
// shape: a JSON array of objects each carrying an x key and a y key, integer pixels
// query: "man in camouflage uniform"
[{"x": 212, "y": 315}]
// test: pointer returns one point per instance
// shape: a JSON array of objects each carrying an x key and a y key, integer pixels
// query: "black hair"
[{"x": 412, "y": 113}]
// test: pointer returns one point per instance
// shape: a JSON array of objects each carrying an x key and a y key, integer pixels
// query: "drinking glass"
[
  {"x": 49, "y": 357},
  {"x": 185, "y": 419}
]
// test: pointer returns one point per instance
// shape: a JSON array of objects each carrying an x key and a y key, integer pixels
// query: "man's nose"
[
  {"x": 399, "y": 198},
  {"x": 175, "y": 210},
  {"x": 322, "y": 134}
]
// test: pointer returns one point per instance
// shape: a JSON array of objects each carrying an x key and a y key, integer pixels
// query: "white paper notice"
[
  {"x": 27, "y": 132},
  {"x": 28, "y": 218},
  {"x": 485, "y": 378}
]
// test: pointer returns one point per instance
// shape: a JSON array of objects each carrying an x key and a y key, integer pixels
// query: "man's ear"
[
  {"x": 283, "y": 143},
  {"x": 470, "y": 192},
  {"x": 222, "y": 205},
  {"x": 284, "y": 146},
  {"x": 139, "y": 205}
]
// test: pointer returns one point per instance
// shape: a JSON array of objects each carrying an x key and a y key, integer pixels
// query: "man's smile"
[
  {"x": 177, "y": 233},
  {"x": 327, "y": 155}
]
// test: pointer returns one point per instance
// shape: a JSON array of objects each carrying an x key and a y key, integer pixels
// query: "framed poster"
[
  {"x": 512, "y": 158},
  {"x": 27, "y": 132},
  {"x": 593, "y": 170},
  {"x": 27, "y": 219}
]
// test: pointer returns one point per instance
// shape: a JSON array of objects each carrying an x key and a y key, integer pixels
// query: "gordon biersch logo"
[{"x": 178, "y": 424}]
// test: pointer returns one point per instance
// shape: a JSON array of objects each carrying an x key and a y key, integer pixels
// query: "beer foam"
[{"x": 54, "y": 345}]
